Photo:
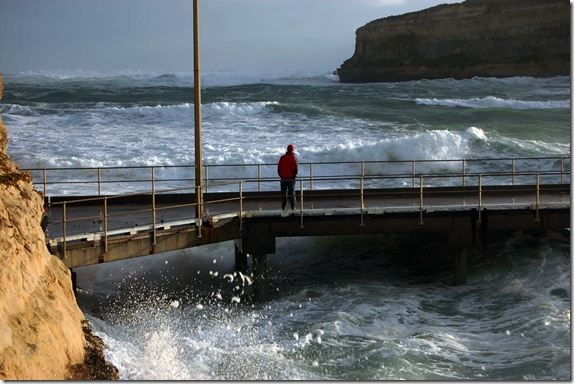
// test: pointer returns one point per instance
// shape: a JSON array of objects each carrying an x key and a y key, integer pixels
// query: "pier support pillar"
[
  {"x": 241, "y": 263},
  {"x": 260, "y": 290},
  {"x": 460, "y": 265},
  {"x": 461, "y": 240},
  {"x": 259, "y": 244}
]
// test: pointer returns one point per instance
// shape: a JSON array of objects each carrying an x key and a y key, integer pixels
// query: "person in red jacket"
[{"x": 287, "y": 169}]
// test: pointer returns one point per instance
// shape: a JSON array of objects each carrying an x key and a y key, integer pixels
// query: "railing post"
[
  {"x": 206, "y": 178},
  {"x": 537, "y": 196},
  {"x": 413, "y": 172},
  {"x": 199, "y": 208},
  {"x": 45, "y": 182},
  {"x": 301, "y": 204},
  {"x": 240, "y": 205},
  {"x": 513, "y": 168},
  {"x": 99, "y": 182},
  {"x": 64, "y": 218},
  {"x": 153, "y": 210},
  {"x": 106, "y": 224},
  {"x": 362, "y": 202},
  {"x": 311, "y": 176},
  {"x": 258, "y": 177},
  {"x": 362, "y": 169},
  {"x": 561, "y": 171},
  {"x": 463, "y": 172},
  {"x": 479, "y": 198},
  {"x": 152, "y": 178},
  {"x": 421, "y": 201}
]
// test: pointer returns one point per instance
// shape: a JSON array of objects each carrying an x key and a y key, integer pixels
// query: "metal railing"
[
  {"x": 232, "y": 205},
  {"x": 102, "y": 181}
]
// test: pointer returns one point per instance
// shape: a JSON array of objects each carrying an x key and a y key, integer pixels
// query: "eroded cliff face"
[
  {"x": 485, "y": 38},
  {"x": 41, "y": 326}
]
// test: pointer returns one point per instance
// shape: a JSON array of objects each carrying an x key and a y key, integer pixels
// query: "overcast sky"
[{"x": 157, "y": 35}]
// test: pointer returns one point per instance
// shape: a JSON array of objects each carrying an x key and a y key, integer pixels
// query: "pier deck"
[{"x": 134, "y": 229}]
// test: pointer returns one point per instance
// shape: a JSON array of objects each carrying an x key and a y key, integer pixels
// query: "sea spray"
[{"x": 344, "y": 310}]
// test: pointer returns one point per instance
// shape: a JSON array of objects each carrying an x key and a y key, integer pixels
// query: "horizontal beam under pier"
[
  {"x": 257, "y": 234},
  {"x": 404, "y": 222}
]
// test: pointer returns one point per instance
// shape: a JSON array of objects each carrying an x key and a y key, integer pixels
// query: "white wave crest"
[
  {"x": 227, "y": 108},
  {"x": 496, "y": 102},
  {"x": 185, "y": 110},
  {"x": 18, "y": 110},
  {"x": 428, "y": 145}
]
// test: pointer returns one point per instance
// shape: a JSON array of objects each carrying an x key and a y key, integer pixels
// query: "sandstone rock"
[
  {"x": 484, "y": 38},
  {"x": 41, "y": 329}
]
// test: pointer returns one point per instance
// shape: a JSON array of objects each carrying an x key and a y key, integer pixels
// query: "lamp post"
[{"x": 197, "y": 111}]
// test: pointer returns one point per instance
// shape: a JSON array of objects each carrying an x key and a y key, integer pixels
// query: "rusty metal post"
[
  {"x": 197, "y": 111},
  {"x": 362, "y": 224},
  {"x": 302, "y": 226},
  {"x": 562, "y": 170},
  {"x": 311, "y": 176},
  {"x": 413, "y": 172},
  {"x": 513, "y": 171},
  {"x": 99, "y": 182},
  {"x": 258, "y": 177},
  {"x": 479, "y": 199},
  {"x": 153, "y": 210},
  {"x": 537, "y": 196},
  {"x": 421, "y": 201},
  {"x": 241, "y": 206},
  {"x": 106, "y": 225},
  {"x": 206, "y": 178},
  {"x": 44, "y": 177},
  {"x": 64, "y": 218}
]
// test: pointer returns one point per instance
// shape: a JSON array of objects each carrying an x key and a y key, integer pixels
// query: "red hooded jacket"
[{"x": 288, "y": 166}]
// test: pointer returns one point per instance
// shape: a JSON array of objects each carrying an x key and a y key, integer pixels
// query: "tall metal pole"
[{"x": 197, "y": 111}]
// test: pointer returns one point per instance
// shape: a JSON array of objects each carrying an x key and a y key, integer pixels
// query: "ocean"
[{"x": 342, "y": 308}]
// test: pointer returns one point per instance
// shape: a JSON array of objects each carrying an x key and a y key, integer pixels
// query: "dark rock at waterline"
[
  {"x": 484, "y": 38},
  {"x": 94, "y": 366}
]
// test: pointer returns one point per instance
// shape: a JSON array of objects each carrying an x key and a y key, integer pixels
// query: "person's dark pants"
[{"x": 288, "y": 191}]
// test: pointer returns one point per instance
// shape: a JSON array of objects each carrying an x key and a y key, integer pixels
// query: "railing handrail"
[
  {"x": 312, "y": 177},
  {"x": 235, "y": 181}
]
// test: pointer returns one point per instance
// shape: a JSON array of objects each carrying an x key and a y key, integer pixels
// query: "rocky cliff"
[
  {"x": 485, "y": 38},
  {"x": 43, "y": 334}
]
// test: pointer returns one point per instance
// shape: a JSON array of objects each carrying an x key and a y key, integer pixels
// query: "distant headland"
[{"x": 484, "y": 38}]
